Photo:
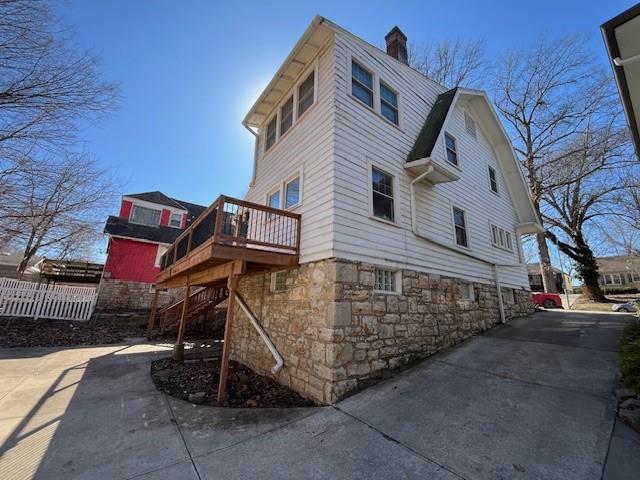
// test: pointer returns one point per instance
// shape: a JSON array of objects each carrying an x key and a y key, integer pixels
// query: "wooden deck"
[{"x": 231, "y": 237}]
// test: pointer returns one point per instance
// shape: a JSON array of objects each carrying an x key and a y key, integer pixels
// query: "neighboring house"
[
  {"x": 619, "y": 271},
  {"x": 9, "y": 262},
  {"x": 535, "y": 279},
  {"x": 412, "y": 204},
  {"x": 147, "y": 225}
]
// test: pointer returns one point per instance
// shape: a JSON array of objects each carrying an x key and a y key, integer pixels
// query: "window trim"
[
  {"x": 446, "y": 134},
  {"x": 396, "y": 108},
  {"x": 284, "y": 190},
  {"x": 280, "y": 188},
  {"x": 507, "y": 235},
  {"x": 394, "y": 179},
  {"x": 171, "y": 214},
  {"x": 373, "y": 84},
  {"x": 397, "y": 281},
  {"x": 495, "y": 177},
  {"x": 466, "y": 227}
]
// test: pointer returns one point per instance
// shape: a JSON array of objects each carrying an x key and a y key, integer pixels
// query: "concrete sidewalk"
[{"x": 529, "y": 400}]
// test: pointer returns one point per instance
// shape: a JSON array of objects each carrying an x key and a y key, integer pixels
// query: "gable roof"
[
  {"x": 480, "y": 105},
  {"x": 618, "y": 263},
  {"x": 432, "y": 127}
]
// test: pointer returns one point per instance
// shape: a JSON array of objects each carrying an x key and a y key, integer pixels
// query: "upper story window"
[
  {"x": 271, "y": 133},
  {"x": 175, "y": 220},
  {"x": 451, "y": 148},
  {"x": 292, "y": 193},
  {"x": 460, "y": 226},
  {"x": 501, "y": 238},
  {"x": 274, "y": 199},
  {"x": 493, "y": 180},
  {"x": 305, "y": 94},
  {"x": 388, "y": 103},
  {"x": 362, "y": 84},
  {"x": 469, "y": 124},
  {"x": 382, "y": 192},
  {"x": 286, "y": 116},
  {"x": 145, "y": 216}
]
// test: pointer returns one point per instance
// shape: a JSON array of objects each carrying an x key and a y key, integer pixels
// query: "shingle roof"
[
  {"x": 123, "y": 228},
  {"x": 156, "y": 197},
  {"x": 427, "y": 137},
  {"x": 618, "y": 263},
  {"x": 193, "y": 210}
]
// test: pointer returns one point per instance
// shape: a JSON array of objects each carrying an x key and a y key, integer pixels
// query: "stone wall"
[
  {"x": 337, "y": 334},
  {"x": 127, "y": 296}
]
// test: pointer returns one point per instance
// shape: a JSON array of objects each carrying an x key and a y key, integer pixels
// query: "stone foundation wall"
[
  {"x": 337, "y": 334},
  {"x": 127, "y": 296}
]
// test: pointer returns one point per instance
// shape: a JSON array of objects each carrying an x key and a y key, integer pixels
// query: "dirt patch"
[
  {"x": 26, "y": 332},
  {"x": 245, "y": 388}
]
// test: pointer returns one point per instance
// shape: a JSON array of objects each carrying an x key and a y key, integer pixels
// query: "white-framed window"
[
  {"x": 612, "y": 279},
  {"x": 493, "y": 180},
  {"x": 460, "y": 227},
  {"x": 362, "y": 83},
  {"x": 272, "y": 128},
  {"x": 286, "y": 116},
  {"x": 161, "y": 251},
  {"x": 292, "y": 193},
  {"x": 634, "y": 277},
  {"x": 388, "y": 103},
  {"x": 467, "y": 292},
  {"x": 306, "y": 93},
  {"x": 501, "y": 238},
  {"x": 451, "y": 149},
  {"x": 145, "y": 216},
  {"x": 273, "y": 199},
  {"x": 175, "y": 220},
  {"x": 469, "y": 124},
  {"x": 382, "y": 195},
  {"x": 152, "y": 288},
  {"x": 279, "y": 281},
  {"x": 386, "y": 280}
]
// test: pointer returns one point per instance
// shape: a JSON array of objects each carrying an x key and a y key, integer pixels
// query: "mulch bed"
[
  {"x": 197, "y": 382},
  {"x": 26, "y": 332}
]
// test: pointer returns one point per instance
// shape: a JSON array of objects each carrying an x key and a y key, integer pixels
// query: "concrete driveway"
[{"x": 529, "y": 400}]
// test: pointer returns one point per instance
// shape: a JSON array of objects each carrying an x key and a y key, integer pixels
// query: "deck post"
[
  {"x": 152, "y": 314},
  {"x": 178, "y": 348},
  {"x": 226, "y": 348}
]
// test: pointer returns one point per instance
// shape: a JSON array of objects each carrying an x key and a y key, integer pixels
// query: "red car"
[{"x": 547, "y": 300}]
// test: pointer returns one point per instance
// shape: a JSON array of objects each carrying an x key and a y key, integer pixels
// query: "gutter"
[
  {"x": 417, "y": 233},
  {"x": 265, "y": 338},
  {"x": 255, "y": 151}
]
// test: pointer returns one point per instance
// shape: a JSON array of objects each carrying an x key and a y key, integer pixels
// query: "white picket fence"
[{"x": 60, "y": 302}]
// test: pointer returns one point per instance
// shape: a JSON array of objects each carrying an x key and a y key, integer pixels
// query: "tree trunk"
[
  {"x": 546, "y": 270},
  {"x": 587, "y": 268}
]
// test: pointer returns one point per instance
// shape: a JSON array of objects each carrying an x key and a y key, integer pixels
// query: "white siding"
[
  {"x": 308, "y": 148},
  {"x": 363, "y": 138}
]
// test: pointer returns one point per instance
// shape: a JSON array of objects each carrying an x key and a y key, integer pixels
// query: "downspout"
[
  {"x": 417, "y": 233},
  {"x": 265, "y": 338},
  {"x": 255, "y": 151}
]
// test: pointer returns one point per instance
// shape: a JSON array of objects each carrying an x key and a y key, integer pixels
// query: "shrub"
[
  {"x": 615, "y": 290},
  {"x": 630, "y": 356}
]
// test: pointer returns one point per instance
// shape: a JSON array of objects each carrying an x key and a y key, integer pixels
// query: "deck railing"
[{"x": 232, "y": 222}]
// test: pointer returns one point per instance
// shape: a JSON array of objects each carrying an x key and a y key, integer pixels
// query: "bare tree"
[
  {"x": 451, "y": 63},
  {"x": 591, "y": 193},
  {"x": 547, "y": 95},
  {"x": 46, "y": 87},
  {"x": 57, "y": 207}
]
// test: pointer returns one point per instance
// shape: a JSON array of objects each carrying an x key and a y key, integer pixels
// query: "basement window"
[
  {"x": 279, "y": 281},
  {"x": 467, "y": 292},
  {"x": 385, "y": 281}
]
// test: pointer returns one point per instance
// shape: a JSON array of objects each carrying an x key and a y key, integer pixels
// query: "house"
[
  {"x": 147, "y": 225},
  {"x": 622, "y": 39},
  {"x": 535, "y": 279},
  {"x": 382, "y": 222},
  {"x": 619, "y": 271}
]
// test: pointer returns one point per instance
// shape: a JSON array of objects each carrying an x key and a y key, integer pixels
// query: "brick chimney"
[{"x": 397, "y": 45}]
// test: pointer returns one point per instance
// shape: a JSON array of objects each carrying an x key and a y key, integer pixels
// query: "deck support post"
[
  {"x": 178, "y": 348},
  {"x": 152, "y": 314},
  {"x": 226, "y": 348}
]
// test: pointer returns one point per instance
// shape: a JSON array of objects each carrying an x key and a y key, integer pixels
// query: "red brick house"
[{"x": 147, "y": 225}]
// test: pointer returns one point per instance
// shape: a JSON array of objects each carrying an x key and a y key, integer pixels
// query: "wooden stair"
[{"x": 201, "y": 301}]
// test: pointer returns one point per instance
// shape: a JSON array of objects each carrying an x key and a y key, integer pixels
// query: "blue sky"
[{"x": 190, "y": 70}]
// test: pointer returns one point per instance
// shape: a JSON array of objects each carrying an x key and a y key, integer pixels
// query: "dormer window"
[
  {"x": 145, "y": 216},
  {"x": 362, "y": 84},
  {"x": 451, "y": 149},
  {"x": 305, "y": 94},
  {"x": 175, "y": 220}
]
